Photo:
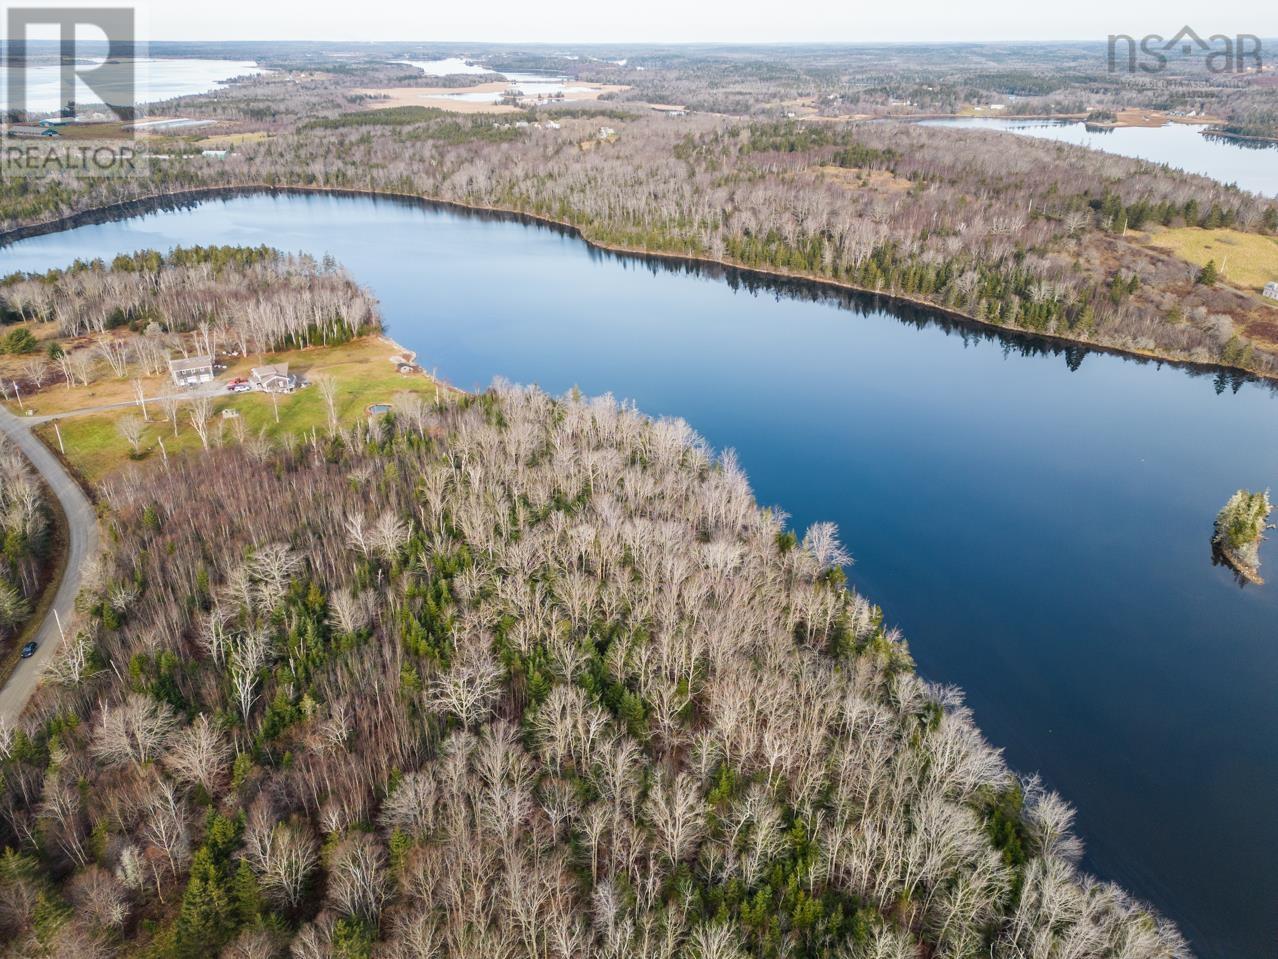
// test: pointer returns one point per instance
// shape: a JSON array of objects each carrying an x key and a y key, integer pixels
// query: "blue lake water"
[
  {"x": 1251, "y": 166},
  {"x": 1036, "y": 519},
  {"x": 145, "y": 80}
]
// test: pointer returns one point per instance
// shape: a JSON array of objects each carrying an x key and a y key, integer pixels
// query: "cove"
[
  {"x": 1250, "y": 164},
  {"x": 1035, "y": 517}
]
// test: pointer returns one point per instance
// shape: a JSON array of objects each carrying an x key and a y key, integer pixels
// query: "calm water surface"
[
  {"x": 1252, "y": 166},
  {"x": 154, "y": 79},
  {"x": 1037, "y": 521}
]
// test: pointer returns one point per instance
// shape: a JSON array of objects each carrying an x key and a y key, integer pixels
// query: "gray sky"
[{"x": 688, "y": 20}]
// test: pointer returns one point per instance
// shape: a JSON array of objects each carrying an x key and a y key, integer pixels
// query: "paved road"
[
  {"x": 83, "y": 543},
  {"x": 211, "y": 389}
]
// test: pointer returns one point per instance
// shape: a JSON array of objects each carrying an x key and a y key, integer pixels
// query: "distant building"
[
  {"x": 273, "y": 379},
  {"x": 1271, "y": 290},
  {"x": 30, "y": 130},
  {"x": 191, "y": 371},
  {"x": 214, "y": 154}
]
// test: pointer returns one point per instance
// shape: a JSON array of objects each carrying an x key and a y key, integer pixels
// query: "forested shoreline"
[
  {"x": 1018, "y": 234},
  {"x": 130, "y": 316},
  {"x": 511, "y": 675}
]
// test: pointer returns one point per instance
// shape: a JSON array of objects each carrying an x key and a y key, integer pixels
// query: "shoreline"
[
  {"x": 1244, "y": 571},
  {"x": 150, "y": 203}
]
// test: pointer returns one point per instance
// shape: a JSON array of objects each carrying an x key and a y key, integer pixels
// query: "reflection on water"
[
  {"x": 1252, "y": 165},
  {"x": 1032, "y": 514},
  {"x": 148, "y": 80}
]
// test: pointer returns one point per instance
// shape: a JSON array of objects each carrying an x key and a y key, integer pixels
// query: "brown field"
[
  {"x": 854, "y": 178},
  {"x": 1248, "y": 260},
  {"x": 439, "y": 97}
]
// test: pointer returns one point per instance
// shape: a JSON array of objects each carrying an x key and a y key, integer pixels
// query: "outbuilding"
[{"x": 1271, "y": 289}]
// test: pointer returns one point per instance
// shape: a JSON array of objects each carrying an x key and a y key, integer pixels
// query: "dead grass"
[
  {"x": 1247, "y": 260},
  {"x": 94, "y": 447},
  {"x": 854, "y": 178}
]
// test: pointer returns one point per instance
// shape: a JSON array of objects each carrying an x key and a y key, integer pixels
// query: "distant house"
[
  {"x": 1271, "y": 290},
  {"x": 214, "y": 154},
  {"x": 273, "y": 379},
  {"x": 191, "y": 371},
  {"x": 30, "y": 130}
]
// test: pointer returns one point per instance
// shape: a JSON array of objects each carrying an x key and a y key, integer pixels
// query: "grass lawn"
[
  {"x": 95, "y": 447},
  {"x": 1244, "y": 259}
]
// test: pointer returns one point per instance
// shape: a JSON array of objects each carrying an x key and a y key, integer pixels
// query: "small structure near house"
[
  {"x": 273, "y": 379},
  {"x": 191, "y": 371},
  {"x": 1271, "y": 290}
]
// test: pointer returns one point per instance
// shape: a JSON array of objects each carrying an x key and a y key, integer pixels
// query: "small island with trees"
[{"x": 1240, "y": 527}]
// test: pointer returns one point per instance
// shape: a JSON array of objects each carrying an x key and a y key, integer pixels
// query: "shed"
[
  {"x": 1271, "y": 289},
  {"x": 191, "y": 371}
]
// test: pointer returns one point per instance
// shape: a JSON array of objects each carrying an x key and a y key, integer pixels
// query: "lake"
[
  {"x": 1035, "y": 518},
  {"x": 530, "y": 85},
  {"x": 1251, "y": 165},
  {"x": 155, "y": 79}
]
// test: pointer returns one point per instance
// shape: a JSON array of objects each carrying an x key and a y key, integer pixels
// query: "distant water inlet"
[
  {"x": 151, "y": 79},
  {"x": 1035, "y": 517},
  {"x": 1251, "y": 165}
]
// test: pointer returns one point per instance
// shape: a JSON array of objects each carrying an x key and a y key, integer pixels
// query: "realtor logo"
[
  {"x": 1220, "y": 53},
  {"x": 112, "y": 82},
  {"x": 44, "y": 81}
]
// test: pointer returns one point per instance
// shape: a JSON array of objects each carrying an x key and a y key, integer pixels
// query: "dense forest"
[
  {"x": 1019, "y": 233},
  {"x": 129, "y": 316},
  {"x": 26, "y": 527},
  {"x": 511, "y": 676}
]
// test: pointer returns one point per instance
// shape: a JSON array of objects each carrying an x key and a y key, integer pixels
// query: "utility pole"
[
  {"x": 58, "y": 433},
  {"x": 18, "y": 393}
]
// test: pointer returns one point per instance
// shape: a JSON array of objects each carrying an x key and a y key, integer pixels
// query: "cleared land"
[
  {"x": 1248, "y": 260},
  {"x": 446, "y": 98},
  {"x": 95, "y": 447}
]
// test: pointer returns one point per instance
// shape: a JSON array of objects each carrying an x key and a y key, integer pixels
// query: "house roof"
[
  {"x": 191, "y": 364},
  {"x": 266, "y": 372}
]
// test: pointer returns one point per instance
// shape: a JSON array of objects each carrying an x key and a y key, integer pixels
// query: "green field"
[
  {"x": 94, "y": 446},
  {"x": 1244, "y": 259}
]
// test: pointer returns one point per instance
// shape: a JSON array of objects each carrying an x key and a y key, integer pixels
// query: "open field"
[
  {"x": 1248, "y": 260},
  {"x": 445, "y": 98},
  {"x": 94, "y": 446},
  {"x": 854, "y": 178}
]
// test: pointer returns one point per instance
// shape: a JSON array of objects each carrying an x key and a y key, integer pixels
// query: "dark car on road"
[{"x": 28, "y": 650}]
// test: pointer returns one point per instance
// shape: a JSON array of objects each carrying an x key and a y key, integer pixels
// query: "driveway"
[{"x": 82, "y": 543}]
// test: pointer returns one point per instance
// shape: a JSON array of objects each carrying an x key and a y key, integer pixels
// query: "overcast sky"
[{"x": 560, "y": 21}]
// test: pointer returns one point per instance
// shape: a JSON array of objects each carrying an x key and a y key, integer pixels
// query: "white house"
[
  {"x": 191, "y": 371},
  {"x": 273, "y": 379},
  {"x": 1271, "y": 290}
]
